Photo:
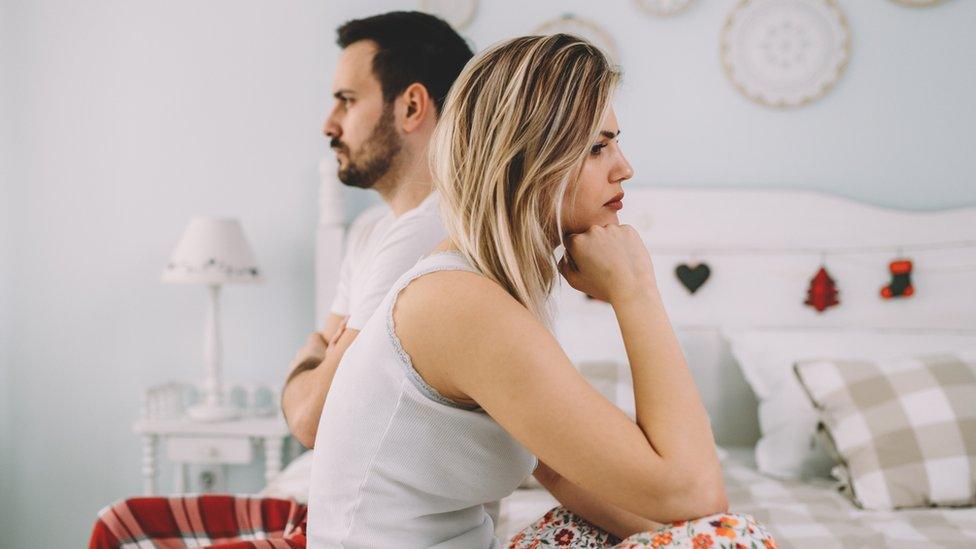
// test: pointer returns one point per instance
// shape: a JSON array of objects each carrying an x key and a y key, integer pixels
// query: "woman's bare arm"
[
  {"x": 470, "y": 339},
  {"x": 613, "y": 264},
  {"x": 593, "y": 508},
  {"x": 668, "y": 406}
]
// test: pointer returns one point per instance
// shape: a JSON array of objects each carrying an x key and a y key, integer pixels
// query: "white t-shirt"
[
  {"x": 398, "y": 464},
  {"x": 379, "y": 248}
]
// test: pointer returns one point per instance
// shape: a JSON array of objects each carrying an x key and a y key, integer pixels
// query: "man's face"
[{"x": 361, "y": 127}]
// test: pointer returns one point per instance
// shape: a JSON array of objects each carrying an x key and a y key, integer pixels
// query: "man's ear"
[{"x": 418, "y": 106}]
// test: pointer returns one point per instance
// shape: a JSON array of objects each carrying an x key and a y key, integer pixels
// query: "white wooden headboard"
[{"x": 762, "y": 246}]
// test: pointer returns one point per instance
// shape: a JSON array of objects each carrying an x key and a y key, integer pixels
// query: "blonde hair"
[{"x": 517, "y": 124}]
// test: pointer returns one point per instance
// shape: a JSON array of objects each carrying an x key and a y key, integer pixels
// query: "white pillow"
[{"x": 788, "y": 446}]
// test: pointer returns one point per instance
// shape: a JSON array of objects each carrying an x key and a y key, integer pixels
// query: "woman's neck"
[{"x": 447, "y": 245}]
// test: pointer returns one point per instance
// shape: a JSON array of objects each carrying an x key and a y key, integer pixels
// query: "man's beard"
[{"x": 376, "y": 155}]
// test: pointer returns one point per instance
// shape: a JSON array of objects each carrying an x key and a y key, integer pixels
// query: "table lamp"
[{"x": 212, "y": 251}]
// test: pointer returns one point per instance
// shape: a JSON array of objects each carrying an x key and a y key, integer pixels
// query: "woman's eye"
[{"x": 595, "y": 149}]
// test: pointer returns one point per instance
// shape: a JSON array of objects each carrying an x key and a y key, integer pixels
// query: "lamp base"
[{"x": 205, "y": 412}]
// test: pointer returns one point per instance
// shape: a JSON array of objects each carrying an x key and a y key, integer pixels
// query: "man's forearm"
[
  {"x": 304, "y": 395},
  {"x": 296, "y": 369},
  {"x": 303, "y": 398},
  {"x": 308, "y": 364}
]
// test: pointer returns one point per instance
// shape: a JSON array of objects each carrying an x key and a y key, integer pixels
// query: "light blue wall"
[
  {"x": 131, "y": 116},
  {"x": 6, "y": 227}
]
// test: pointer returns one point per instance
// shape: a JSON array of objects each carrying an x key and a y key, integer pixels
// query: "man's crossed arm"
[{"x": 311, "y": 376}]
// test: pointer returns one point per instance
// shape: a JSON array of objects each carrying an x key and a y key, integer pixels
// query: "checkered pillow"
[{"x": 904, "y": 428}]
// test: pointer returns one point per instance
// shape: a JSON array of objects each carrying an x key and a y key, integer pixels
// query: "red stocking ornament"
[
  {"x": 822, "y": 292},
  {"x": 901, "y": 279}
]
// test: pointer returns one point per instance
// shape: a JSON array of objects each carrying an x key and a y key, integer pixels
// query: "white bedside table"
[{"x": 221, "y": 443}]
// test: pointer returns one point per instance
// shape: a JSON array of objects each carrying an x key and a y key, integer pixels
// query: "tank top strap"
[
  {"x": 437, "y": 261},
  {"x": 441, "y": 261}
]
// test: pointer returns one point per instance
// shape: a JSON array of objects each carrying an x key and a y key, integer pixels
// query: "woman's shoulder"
[
  {"x": 448, "y": 307},
  {"x": 455, "y": 289},
  {"x": 442, "y": 319}
]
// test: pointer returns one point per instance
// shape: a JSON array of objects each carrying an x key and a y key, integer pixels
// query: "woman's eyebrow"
[{"x": 609, "y": 134}]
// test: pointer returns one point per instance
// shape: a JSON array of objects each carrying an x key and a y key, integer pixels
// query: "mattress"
[{"x": 800, "y": 514}]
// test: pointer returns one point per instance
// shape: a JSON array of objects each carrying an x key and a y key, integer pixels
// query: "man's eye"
[{"x": 595, "y": 149}]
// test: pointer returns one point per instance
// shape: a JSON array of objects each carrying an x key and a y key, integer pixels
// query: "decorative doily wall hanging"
[
  {"x": 785, "y": 53},
  {"x": 584, "y": 28},
  {"x": 663, "y": 8},
  {"x": 459, "y": 13}
]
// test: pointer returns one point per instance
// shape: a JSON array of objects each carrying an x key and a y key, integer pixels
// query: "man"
[{"x": 390, "y": 83}]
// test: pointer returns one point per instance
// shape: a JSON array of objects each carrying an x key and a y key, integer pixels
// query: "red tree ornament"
[{"x": 822, "y": 292}]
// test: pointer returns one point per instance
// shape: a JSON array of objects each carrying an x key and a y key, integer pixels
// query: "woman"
[{"x": 456, "y": 389}]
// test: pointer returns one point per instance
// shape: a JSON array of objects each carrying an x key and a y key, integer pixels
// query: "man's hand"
[
  {"x": 309, "y": 356},
  {"x": 314, "y": 351},
  {"x": 336, "y": 330}
]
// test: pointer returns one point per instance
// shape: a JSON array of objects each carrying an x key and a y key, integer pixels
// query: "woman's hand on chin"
[{"x": 608, "y": 262}]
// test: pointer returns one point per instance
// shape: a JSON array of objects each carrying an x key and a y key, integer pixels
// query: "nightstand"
[{"x": 186, "y": 441}]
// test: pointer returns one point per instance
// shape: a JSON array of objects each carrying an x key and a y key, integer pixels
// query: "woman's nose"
[{"x": 624, "y": 170}]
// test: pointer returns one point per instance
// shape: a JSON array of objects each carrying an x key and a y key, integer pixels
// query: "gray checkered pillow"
[{"x": 904, "y": 428}]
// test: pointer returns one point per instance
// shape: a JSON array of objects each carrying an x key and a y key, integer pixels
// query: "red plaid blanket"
[{"x": 227, "y": 522}]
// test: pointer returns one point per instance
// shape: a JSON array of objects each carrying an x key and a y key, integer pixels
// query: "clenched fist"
[{"x": 610, "y": 263}]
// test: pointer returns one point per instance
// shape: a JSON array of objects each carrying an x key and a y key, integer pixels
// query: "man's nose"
[{"x": 331, "y": 129}]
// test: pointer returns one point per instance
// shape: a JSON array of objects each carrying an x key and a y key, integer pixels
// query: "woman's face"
[{"x": 598, "y": 191}]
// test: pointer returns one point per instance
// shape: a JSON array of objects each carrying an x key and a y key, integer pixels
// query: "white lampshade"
[{"x": 212, "y": 251}]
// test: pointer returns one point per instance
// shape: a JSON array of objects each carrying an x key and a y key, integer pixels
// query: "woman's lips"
[{"x": 616, "y": 203}]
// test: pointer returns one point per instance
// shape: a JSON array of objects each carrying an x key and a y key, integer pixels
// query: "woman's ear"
[{"x": 418, "y": 106}]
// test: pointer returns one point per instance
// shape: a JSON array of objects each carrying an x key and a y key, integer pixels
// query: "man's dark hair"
[{"x": 413, "y": 47}]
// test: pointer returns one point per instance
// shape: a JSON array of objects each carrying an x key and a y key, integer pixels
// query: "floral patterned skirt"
[{"x": 560, "y": 527}]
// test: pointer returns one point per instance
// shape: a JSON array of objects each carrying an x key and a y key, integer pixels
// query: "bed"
[
  {"x": 800, "y": 514},
  {"x": 763, "y": 247}
]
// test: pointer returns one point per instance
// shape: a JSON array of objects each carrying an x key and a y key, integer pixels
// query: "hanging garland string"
[
  {"x": 952, "y": 245},
  {"x": 922, "y": 268},
  {"x": 822, "y": 285}
]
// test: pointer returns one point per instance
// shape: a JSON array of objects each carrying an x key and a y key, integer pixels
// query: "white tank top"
[{"x": 397, "y": 464}]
